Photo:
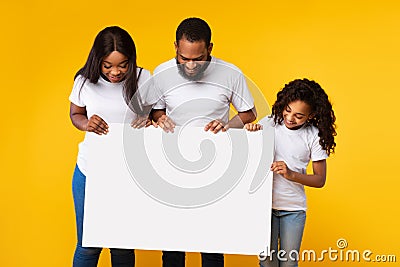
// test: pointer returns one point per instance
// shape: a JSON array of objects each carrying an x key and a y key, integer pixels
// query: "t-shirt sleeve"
[
  {"x": 157, "y": 96},
  {"x": 242, "y": 99},
  {"x": 76, "y": 96},
  {"x": 317, "y": 152},
  {"x": 266, "y": 122},
  {"x": 145, "y": 89}
]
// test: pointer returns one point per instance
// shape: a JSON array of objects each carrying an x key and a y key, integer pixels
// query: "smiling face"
[
  {"x": 296, "y": 114},
  {"x": 192, "y": 58},
  {"x": 114, "y": 66}
]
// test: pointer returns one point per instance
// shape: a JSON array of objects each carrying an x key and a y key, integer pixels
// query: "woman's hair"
[
  {"x": 311, "y": 93},
  {"x": 107, "y": 41}
]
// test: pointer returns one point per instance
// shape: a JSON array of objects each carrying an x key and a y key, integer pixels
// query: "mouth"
[
  {"x": 290, "y": 123},
  {"x": 191, "y": 71},
  {"x": 114, "y": 78}
]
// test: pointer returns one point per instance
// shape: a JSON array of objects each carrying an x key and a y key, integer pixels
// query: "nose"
[
  {"x": 114, "y": 71},
  {"x": 190, "y": 65},
  {"x": 289, "y": 117}
]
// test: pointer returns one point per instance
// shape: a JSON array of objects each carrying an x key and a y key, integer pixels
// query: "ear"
[
  {"x": 176, "y": 46},
  {"x": 210, "y": 47}
]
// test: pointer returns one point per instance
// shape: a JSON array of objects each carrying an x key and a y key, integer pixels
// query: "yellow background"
[{"x": 352, "y": 48}]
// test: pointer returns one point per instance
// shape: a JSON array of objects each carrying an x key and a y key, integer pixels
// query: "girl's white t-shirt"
[
  {"x": 104, "y": 99},
  {"x": 296, "y": 148}
]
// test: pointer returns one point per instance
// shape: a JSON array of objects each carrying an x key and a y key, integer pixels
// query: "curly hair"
[{"x": 311, "y": 93}]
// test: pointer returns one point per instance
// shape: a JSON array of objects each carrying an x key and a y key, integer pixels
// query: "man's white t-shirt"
[
  {"x": 104, "y": 99},
  {"x": 296, "y": 148},
  {"x": 196, "y": 103}
]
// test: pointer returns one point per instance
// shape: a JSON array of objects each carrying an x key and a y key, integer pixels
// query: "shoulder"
[
  {"x": 267, "y": 122},
  {"x": 79, "y": 81},
  {"x": 144, "y": 73},
  {"x": 311, "y": 131},
  {"x": 226, "y": 65},
  {"x": 166, "y": 65}
]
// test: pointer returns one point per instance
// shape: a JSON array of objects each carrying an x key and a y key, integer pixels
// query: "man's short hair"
[{"x": 194, "y": 30}]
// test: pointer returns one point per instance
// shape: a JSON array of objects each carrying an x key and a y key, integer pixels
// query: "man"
[{"x": 197, "y": 89}]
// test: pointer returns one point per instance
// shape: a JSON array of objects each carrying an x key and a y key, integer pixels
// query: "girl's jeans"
[
  {"x": 287, "y": 228},
  {"x": 88, "y": 257}
]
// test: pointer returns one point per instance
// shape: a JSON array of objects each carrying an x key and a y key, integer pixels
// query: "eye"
[
  {"x": 124, "y": 66},
  {"x": 107, "y": 67}
]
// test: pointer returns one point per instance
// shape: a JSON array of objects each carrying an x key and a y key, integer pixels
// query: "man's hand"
[{"x": 215, "y": 126}]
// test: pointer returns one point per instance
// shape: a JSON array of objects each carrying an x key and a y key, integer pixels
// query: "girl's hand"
[
  {"x": 281, "y": 168},
  {"x": 252, "y": 127},
  {"x": 97, "y": 125}
]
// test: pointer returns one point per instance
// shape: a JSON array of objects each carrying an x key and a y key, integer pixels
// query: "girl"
[
  {"x": 304, "y": 125},
  {"x": 103, "y": 90}
]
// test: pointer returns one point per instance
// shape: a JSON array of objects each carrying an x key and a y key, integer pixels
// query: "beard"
[{"x": 200, "y": 69}]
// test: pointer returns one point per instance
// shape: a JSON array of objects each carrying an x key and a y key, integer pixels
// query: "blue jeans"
[
  {"x": 177, "y": 259},
  {"x": 85, "y": 256},
  {"x": 286, "y": 234}
]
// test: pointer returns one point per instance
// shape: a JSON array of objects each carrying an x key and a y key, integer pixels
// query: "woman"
[{"x": 103, "y": 90}]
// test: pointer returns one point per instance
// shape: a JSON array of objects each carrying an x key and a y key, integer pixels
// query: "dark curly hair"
[
  {"x": 194, "y": 30},
  {"x": 311, "y": 93}
]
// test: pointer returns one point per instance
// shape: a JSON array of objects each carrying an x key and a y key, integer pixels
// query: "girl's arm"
[
  {"x": 80, "y": 120},
  {"x": 317, "y": 179}
]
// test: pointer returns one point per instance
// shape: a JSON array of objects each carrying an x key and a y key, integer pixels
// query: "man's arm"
[{"x": 238, "y": 121}]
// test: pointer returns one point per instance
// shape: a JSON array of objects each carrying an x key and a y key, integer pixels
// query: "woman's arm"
[
  {"x": 317, "y": 179},
  {"x": 80, "y": 120}
]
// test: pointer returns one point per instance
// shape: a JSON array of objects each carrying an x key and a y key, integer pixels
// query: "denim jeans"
[
  {"x": 286, "y": 234},
  {"x": 85, "y": 256},
  {"x": 177, "y": 259}
]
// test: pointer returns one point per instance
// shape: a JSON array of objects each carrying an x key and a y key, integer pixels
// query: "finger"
[
  {"x": 137, "y": 122},
  {"x": 99, "y": 122},
  {"x": 95, "y": 129},
  {"x": 207, "y": 127},
  {"x": 218, "y": 127},
  {"x": 148, "y": 123},
  {"x": 214, "y": 125}
]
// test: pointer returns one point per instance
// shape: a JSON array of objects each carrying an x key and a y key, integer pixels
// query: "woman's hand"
[
  {"x": 166, "y": 123},
  {"x": 142, "y": 121},
  {"x": 97, "y": 125}
]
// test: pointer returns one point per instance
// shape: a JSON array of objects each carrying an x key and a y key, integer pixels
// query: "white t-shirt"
[
  {"x": 196, "y": 103},
  {"x": 296, "y": 148},
  {"x": 104, "y": 99}
]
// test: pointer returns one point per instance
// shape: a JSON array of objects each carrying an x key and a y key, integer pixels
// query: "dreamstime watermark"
[
  {"x": 339, "y": 253},
  {"x": 220, "y": 80}
]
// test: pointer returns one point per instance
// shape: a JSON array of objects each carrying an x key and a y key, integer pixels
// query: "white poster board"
[{"x": 189, "y": 191}]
